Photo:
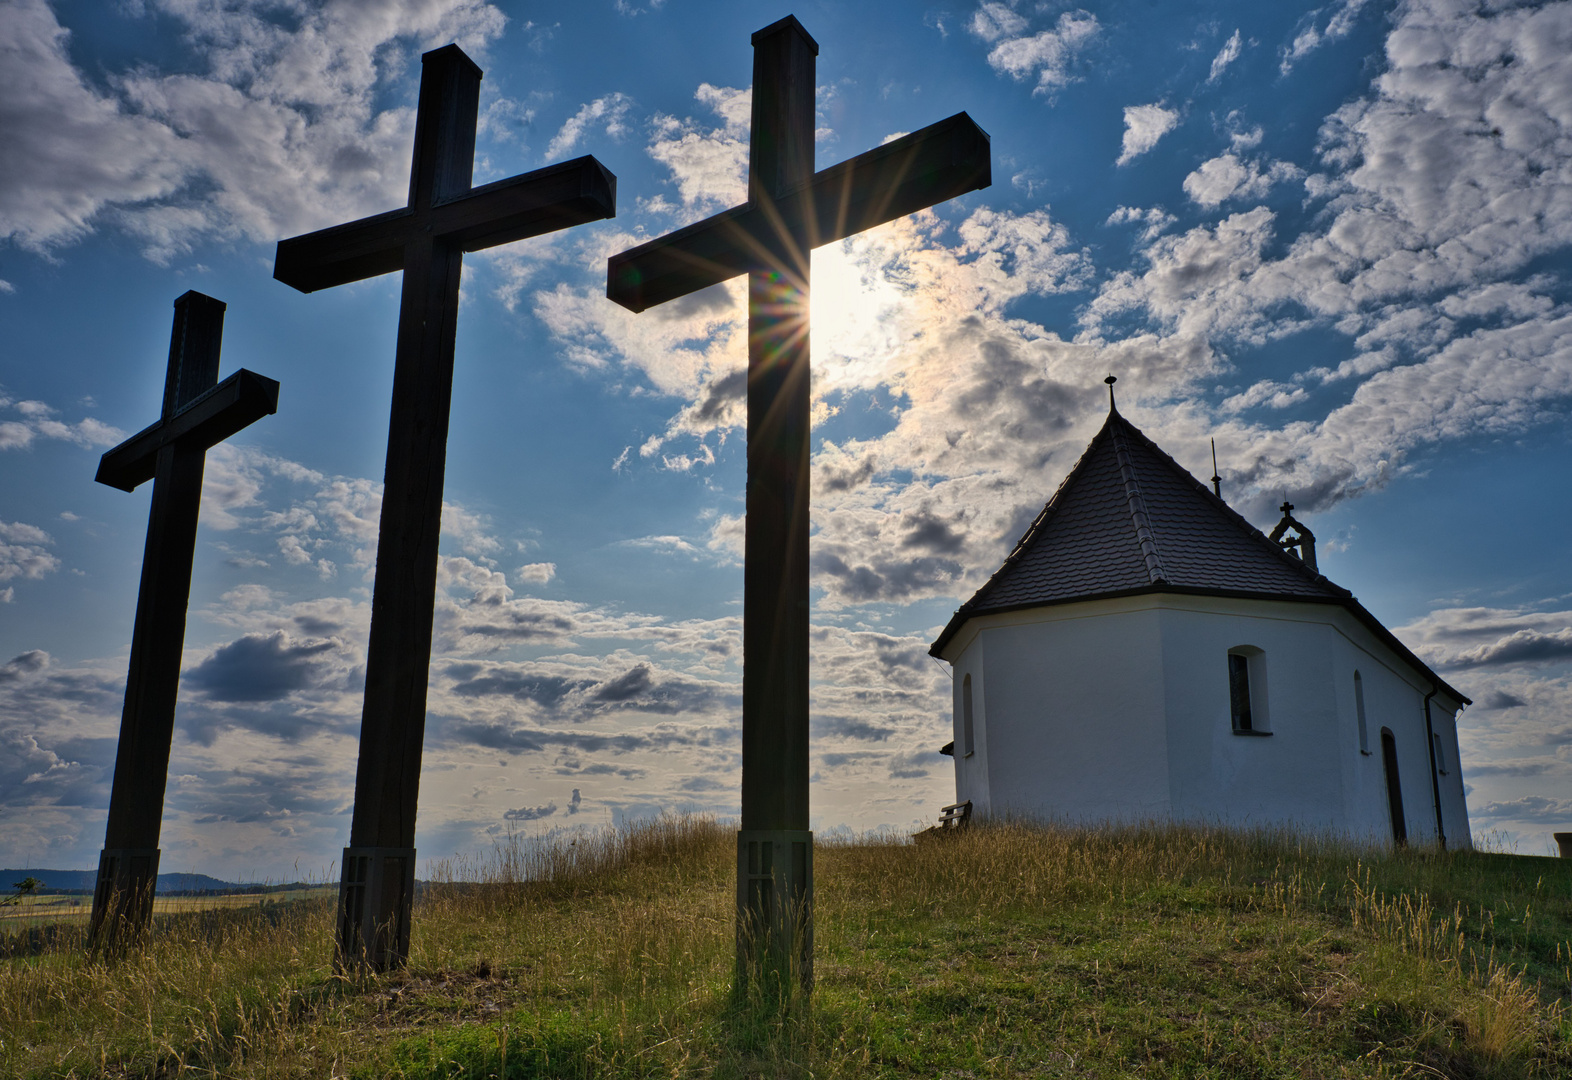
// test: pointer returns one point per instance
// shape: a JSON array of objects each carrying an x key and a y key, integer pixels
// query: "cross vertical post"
[
  {"x": 427, "y": 239},
  {"x": 791, "y": 209},
  {"x": 198, "y": 412},
  {"x": 775, "y": 846}
]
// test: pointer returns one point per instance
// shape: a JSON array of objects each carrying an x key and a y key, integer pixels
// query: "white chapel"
[{"x": 1147, "y": 653}]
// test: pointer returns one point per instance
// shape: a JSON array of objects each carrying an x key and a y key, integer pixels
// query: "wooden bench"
[
  {"x": 956, "y": 815},
  {"x": 952, "y": 819}
]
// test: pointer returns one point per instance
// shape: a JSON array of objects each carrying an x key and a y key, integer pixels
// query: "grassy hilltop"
[{"x": 1008, "y": 951}]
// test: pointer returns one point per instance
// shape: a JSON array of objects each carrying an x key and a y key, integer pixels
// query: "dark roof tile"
[
  {"x": 1088, "y": 539},
  {"x": 1129, "y": 519}
]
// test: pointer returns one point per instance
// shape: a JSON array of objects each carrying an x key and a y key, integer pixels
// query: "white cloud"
[
  {"x": 1154, "y": 219},
  {"x": 1440, "y": 185},
  {"x": 277, "y": 135},
  {"x": 992, "y": 21},
  {"x": 14, "y": 435},
  {"x": 1273, "y": 395},
  {"x": 537, "y": 573},
  {"x": 1143, "y": 126},
  {"x": 1228, "y": 177},
  {"x": 709, "y": 165},
  {"x": 1311, "y": 37},
  {"x": 1225, "y": 56},
  {"x": 37, "y": 422},
  {"x": 609, "y": 113},
  {"x": 70, "y": 150},
  {"x": 22, "y": 552},
  {"x": 293, "y": 550},
  {"x": 1468, "y": 637},
  {"x": 1046, "y": 55},
  {"x": 471, "y": 531}
]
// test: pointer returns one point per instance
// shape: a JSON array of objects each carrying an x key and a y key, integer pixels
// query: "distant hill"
[{"x": 82, "y": 881}]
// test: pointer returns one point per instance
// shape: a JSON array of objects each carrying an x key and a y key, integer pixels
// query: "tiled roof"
[{"x": 1130, "y": 519}]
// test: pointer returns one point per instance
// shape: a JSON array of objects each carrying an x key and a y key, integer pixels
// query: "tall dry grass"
[{"x": 1006, "y": 950}]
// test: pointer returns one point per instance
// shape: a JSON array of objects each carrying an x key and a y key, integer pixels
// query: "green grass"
[{"x": 1007, "y": 951}]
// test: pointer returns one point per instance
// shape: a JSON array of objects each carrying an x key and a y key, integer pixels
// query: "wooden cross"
[
  {"x": 791, "y": 209},
  {"x": 199, "y": 412},
  {"x": 426, "y": 240}
]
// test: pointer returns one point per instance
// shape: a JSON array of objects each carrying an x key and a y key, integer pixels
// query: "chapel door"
[{"x": 1394, "y": 788}]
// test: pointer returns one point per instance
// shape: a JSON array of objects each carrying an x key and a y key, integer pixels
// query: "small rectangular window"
[
  {"x": 968, "y": 744},
  {"x": 1359, "y": 708},
  {"x": 1440, "y": 761},
  {"x": 1239, "y": 691}
]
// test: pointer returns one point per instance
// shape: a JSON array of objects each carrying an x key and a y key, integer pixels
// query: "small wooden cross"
[
  {"x": 426, "y": 240},
  {"x": 199, "y": 412},
  {"x": 791, "y": 209}
]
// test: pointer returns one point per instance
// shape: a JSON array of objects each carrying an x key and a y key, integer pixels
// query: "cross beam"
[
  {"x": 901, "y": 177},
  {"x": 199, "y": 412},
  {"x": 790, "y": 210},
  {"x": 426, "y": 239}
]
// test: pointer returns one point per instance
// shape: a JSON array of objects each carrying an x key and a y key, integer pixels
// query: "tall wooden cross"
[
  {"x": 427, "y": 239},
  {"x": 199, "y": 412},
  {"x": 791, "y": 209}
]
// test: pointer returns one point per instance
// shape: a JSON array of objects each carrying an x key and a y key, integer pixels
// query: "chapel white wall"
[
  {"x": 971, "y": 770},
  {"x": 1050, "y": 720},
  {"x": 1293, "y": 775},
  {"x": 1119, "y": 710}
]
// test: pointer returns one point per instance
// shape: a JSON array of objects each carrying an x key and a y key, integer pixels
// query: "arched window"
[
  {"x": 1247, "y": 690},
  {"x": 1359, "y": 707},
  {"x": 968, "y": 738}
]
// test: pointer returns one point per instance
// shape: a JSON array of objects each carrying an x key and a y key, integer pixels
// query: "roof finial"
[
  {"x": 1217, "y": 481},
  {"x": 1110, "y": 380}
]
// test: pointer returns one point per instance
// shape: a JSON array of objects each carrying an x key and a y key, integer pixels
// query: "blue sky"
[{"x": 1334, "y": 238}]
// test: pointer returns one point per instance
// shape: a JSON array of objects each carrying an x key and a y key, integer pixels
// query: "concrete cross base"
[
  {"x": 374, "y": 898},
  {"x": 774, "y": 909},
  {"x": 123, "y": 896}
]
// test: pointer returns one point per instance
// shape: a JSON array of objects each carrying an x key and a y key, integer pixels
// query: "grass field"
[
  {"x": 1009, "y": 951},
  {"x": 56, "y": 908}
]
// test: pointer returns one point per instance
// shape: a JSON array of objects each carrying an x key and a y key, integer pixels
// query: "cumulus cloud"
[
  {"x": 275, "y": 134},
  {"x": 1438, "y": 187},
  {"x": 34, "y": 774},
  {"x": 1537, "y": 809},
  {"x": 38, "y": 418},
  {"x": 1046, "y": 56},
  {"x": 23, "y": 551},
  {"x": 1153, "y": 220},
  {"x": 1268, "y": 393},
  {"x": 1491, "y": 637},
  {"x": 261, "y": 668},
  {"x": 530, "y": 813},
  {"x": 569, "y": 692},
  {"x": 1230, "y": 177},
  {"x": 23, "y": 665},
  {"x": 709, "y": 165},
  {"x": 1143, "y": 126}
]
